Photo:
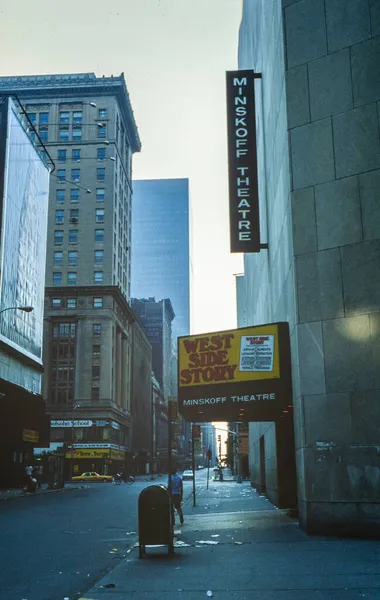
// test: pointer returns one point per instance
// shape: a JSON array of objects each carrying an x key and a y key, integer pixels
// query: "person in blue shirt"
[{"x": 177, "y": 493}]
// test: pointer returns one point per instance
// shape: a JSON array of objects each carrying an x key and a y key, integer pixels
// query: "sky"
[{"x": 174, "y": 54}]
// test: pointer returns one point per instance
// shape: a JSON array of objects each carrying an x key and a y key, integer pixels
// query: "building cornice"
[
  {"x": 77, "y": 84},
  {"x": 94, "y": 290}
]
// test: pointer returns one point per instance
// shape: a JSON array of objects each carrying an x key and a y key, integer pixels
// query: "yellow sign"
[
  {"x": 88, "y": 453},
  {"x": 229, "y": 356},
  {"x": 28, "y": 435},
  {"x": 118, "y": 454}
]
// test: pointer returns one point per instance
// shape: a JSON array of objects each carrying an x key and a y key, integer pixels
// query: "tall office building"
[
  {"x": 161, "y": 252},
  {"x": 87, "y": 126},
  {"x": 24, "y": 186},
  {"x": 156, "y": 319}
]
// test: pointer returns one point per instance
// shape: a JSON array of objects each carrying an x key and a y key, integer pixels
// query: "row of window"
[
  {"x": 64, "y": 133},
  {"x": 72, "y": 277},
  {"x": 75, "y": 193},
  {"x": 73, "y": 236},
  {"x": 76, "y": 155},
  {"x": 72, "y": 257},
  {"x": 65, "y": 116},
  {"x": 68, "y": 330},
  {"x": 75, "y": 175},
  {"x": 72, "y": 302},
  {"x": 74, "y": 215}
]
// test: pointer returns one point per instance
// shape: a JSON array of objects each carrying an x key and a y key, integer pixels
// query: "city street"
[{"x": 57, "y": 545}]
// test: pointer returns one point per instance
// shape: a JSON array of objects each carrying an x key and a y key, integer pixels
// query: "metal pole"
[
  {"x": 193, "y": 464},
  {"x": 208, "y": 467},
  {"x": 169, "y": 453},
  {"x": 239, "y": 479},
  {"x": 72, "y": 443}
]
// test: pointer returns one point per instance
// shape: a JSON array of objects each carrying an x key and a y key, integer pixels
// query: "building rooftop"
[{"x": 75, "y": 84}]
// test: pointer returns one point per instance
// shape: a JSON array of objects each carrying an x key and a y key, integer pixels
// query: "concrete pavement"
[{"x": 236, "y": 545}]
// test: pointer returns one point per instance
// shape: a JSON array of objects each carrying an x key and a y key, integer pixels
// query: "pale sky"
[{"x": 174, "y": 54}]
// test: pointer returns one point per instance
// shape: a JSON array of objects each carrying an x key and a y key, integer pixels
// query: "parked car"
[
  {"x": 90, "y": 476},
  {"x": 187, "y": 475}
]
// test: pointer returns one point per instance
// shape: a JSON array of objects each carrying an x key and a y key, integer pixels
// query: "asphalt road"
[{"x": 55, "y": 546}]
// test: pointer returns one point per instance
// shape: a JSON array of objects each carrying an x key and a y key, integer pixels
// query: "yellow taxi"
[{"x": 92, "y": 476}]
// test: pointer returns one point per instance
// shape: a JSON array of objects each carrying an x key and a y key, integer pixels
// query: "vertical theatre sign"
[{"x": 242, "y": 162}]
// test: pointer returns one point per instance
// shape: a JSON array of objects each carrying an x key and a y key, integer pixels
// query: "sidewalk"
[{"x": 236, "y": 545}]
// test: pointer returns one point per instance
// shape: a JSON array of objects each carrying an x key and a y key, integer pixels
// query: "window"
[
  {"x": 61, "y": 175},
  {"x": 57, "y": 278},
  {"x": 95, "y": 393},
  {"x": 32, "y": 118},
  {"x": 71, "y": 302},
  {"x": 99, "y": 215},
  {"x": 56, "y": 302},
  {"x": 44, "y": 118},
  {"x": 60, "y": 196},
  {"x": 64, "y": 117},
  {"x": 99, "y": 255},
  {"x": 74, "y": 196},
  {"x": 102, "y": 113},
  {"x": 58, "y": 237},
  {"x": 95, "y": 371},
  {"x": 71, "y": 278},
  {"x": 77, "y": 116},
  {"x": 96, "y": 350},
  {"x": 96, "y": 329},
  {"x": 77, "y": 133},
  {"x": 73, "y": 257},
  {"x": 59, "y": 216},
  {"x": 75, "y": 175},
  {"x": 98, "y": 276},
  {"x": 58, "y": 257},
  {"x": 102, "y": 131},
  {"x": 63, "y": 134},
  {"x": 99, "y": 235},
  {"x": 74, "y": 215},
  {"x": 73, "y": 236},
  {"x": 100, "y": 174},
  {"x": 100, "y": 194},
  {"x": 75, "y": 155},
  {"x": 101, "y": 153},
  {"x": 43, "y": 133},
  {"x": 61, "y": 155},
  {"x": 97, "y": 302},
  {"x": 64, "y": 330}
]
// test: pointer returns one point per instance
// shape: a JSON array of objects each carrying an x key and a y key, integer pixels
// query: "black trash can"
[{"x": 155, "y": 518}]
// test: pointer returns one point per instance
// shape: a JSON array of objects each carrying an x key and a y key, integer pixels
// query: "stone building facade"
[{"x": 319, "y": 179}]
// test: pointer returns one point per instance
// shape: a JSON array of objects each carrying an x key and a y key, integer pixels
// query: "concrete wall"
[
  {"x": 333, "y": 89},
  {"x": 322, "y": 271},
  {"x": 268, "y": 284}
]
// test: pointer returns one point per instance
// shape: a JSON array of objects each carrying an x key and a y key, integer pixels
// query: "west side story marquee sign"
[
  {"x": 236, "y": 375},
  {"x": 242, "y": 162}
]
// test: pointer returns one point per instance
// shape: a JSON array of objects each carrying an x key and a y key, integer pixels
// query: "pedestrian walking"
[{"x": 177, "y": 494}]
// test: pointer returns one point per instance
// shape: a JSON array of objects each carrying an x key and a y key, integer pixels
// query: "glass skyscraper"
[{"x": 160, "y": 246}]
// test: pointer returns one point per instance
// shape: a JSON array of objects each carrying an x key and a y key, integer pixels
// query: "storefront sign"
[
  {"x": 28, "y": 435},
  {"x": 82, "y": 423},
  {"x": 242, "y": 162},
  {"x": 117, "y": 455},
  {"x": 88, "y": 453},
  {"x": 236, "y": 375}
]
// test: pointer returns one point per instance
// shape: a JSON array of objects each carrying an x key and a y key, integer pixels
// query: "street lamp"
[
  {"x": 75, "y": 406},
  {"x": 26, "y": 309}
]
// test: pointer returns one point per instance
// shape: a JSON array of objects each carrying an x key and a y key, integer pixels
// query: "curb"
[{"x": 29, "y": 495}]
